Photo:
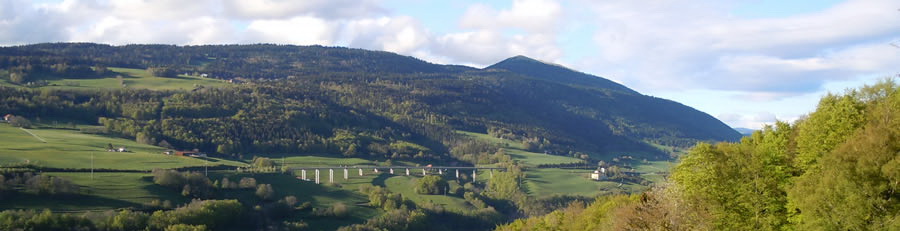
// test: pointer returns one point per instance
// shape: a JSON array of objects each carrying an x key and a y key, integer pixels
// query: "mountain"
[
  {"x": 351, "y": 102},
  {"x": 557, "y": 73},
  {"x": 745, "y": 131}
]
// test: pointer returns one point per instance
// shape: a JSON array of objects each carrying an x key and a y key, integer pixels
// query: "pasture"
[
  {"x": 551, "y": 181},
  {"x": 517, "y": 152},
  {"x": 67, "y": 148},
  {"x": 131, "y": 78}
]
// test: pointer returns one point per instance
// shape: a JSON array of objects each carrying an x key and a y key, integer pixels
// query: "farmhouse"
[
  {"x": 194, "y": 153},
  {"x": 599, "y": 174}
]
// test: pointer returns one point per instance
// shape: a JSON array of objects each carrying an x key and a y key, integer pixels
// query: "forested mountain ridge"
[
  {"x": 553, "y": 72},
  {"x": 314, "y": 99}
]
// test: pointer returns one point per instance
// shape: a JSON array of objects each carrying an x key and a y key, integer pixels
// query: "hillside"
[
  {"x": 836, "y": 169},
  {"x": 382, "y": 100},
  {"x": 557, "y": 73}
]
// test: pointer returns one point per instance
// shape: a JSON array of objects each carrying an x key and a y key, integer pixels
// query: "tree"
[
  {"x": 247, "y": 182},
  {"x": 143, "y": 138},
  {"x": 185, "y": 227},
  {"x": 18, "y": 121},
  {"x": 129, "y": 220},
  {"x": 162, "y": 72},
  {"x": 431, "y": 185},
  {"x": 18, "y": 77},
  {"x": 265, "y": 191},
  {"x": 263, "y": 162}
]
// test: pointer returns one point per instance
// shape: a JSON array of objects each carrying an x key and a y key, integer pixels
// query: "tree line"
[{"x": 835, "y": 169}]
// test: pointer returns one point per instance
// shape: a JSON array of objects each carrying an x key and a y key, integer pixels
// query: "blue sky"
[{"x": 746, "y": 62}]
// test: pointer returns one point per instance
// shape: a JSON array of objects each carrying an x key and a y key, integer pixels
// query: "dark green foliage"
[
  {"x": 265, "y": 191},
  {"x": 262, "y": 162},
  {"x": 46, "y": 220},
  {"x": 432, "y": 185},
  {"x": 338, "y": 210},
  {"x": 399, "y": 220},
  {"x": 50, "y": 185},
  {"x": 214, "y": 214},
  {"x": 530, "y": 67},
  {"x": 357, "y": 103},
  {"x": 190, "y": 183},
  {"x": 128, "y": 220},
  {"x": 162, "y": 72},
  {"x": 837, "y": 169}
]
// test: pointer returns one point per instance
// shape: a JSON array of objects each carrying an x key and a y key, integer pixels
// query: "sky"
[{"x": 746, "y": 62}]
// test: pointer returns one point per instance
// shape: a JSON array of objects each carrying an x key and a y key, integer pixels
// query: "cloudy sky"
[{"x": 747, "y": 62}]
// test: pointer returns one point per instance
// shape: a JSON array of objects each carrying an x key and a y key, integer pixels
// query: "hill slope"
[
  {"x": 553, "y": 72},
  {"x": 314, "y": 99}
]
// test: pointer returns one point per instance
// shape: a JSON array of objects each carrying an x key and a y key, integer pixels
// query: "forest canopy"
[{"x": 836, "y": 169}]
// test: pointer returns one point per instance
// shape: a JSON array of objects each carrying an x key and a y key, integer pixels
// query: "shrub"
[
  {"x": 265, "y": 191},
  {"x": 50, "y": 185},
  {"x": 247, "y": 182},
  {"x": 431, "y": 185}
]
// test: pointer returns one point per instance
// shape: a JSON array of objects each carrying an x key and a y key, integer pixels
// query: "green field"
[
  {"x": 405, "y": 185},
  {"x": 517, "y": 152},
  {"x": 133, "y": 78},
  {"x": 548, "y": 181},
  {"x": 654, "y": 171},
  {"x": 105, "y": 191},
  {"x": 62, "y": 148},
  {"x": 304, "y": 160},
  {"x": 320, "y": 195}
]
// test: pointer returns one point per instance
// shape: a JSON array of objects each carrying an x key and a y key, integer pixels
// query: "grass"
[
  {"x": 320, "y": 195},
  {"x": 105, "y": 191},
  {"x": 133, "y": 78},
  {"x": 405, "y": 185},
  {"x": 517, "y": 151},
  {"x": 654, "y": 171},
  {"x": 545, "y": 182},
  {"x": 72, "y": 149},
  {"x": 297, "y": 160}
]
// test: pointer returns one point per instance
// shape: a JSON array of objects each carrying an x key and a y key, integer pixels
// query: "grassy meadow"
[
  {"x": 406, "y": 185},
  {"x": 132, "y": 78},
  {"x": 66, "y": 148},
  {"x": 517, "y": 151}
]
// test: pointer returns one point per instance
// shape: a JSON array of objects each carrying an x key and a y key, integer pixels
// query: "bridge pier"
[
  {"x": 345, "y": 174},
  {"x": 407, "y": 172},
  {"x": 303, "y": 174},
  {"x": 492, "y": 173},
  {"x": 317, "y": 176},
  {"x": 474, "y": 175},
  {"x": 457, "y": 173},
  {"x": 330, "y": 175},
  {"x": 392, "y": 171},
  {"x": 376, "y": 170},
  {"x": 440, "y": 172},
  {"x": 424, "y": 173},
  {"x": 360, "y": 172}
]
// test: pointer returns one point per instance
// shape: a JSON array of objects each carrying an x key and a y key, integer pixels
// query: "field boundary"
[{"x": 35, "y": 136}]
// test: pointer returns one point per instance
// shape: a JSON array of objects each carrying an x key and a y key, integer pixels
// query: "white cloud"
[
  {"x": 297, "y": 30},
  {"x": 281, "y": 9},
  {"x": 752, "y": 121},
  {"x": 689, "y": 44},
  {"x": 536, "y": 16},
  {"x": 400, "y": 34}
]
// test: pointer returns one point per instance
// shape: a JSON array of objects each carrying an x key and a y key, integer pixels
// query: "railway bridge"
[{"x": 407, "y": 170}]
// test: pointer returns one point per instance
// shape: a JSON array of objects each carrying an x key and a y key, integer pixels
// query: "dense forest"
[
  {"x": 835, "y": 169},
  {"x": 314, "y": 99}
]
